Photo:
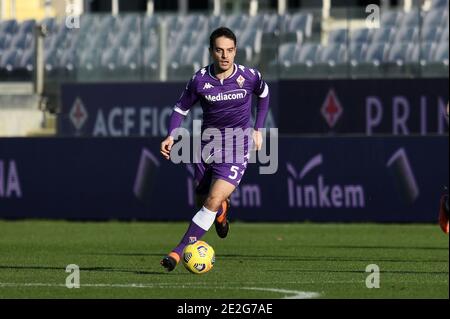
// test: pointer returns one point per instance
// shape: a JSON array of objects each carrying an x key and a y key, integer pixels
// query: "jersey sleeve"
[
  {"x": 261, "y": 89},
  {"x": 187, "y": 99}
]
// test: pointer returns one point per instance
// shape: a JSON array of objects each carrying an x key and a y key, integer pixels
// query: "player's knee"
[{"x": 213, "y": 202}]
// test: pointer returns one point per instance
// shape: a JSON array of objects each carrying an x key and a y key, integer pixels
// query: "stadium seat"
[
  {"x": 444, "y": 35},
  {"x": 271, "y": 23},
  {"x": 360, "y": 35},
  {"x": 382, "y": 35},
  {"x": 331, "y": 60},
  {"x": 50, "y": 24},
  {"x": 27, "y": 26},
  {"x": 26, "y": 61},
  {"x": 371, "y": 63},
  {"x": 296, "y": 27},
  {"x": 438, "y": 64},
  {"x": 250, "y": 40},
  {"x": 433, "y": 18},
  {"x": 390, "y": 18},
  {"x": 396, "y": 58},
  {"x": 406, "y": 34},
  {"x": 435, "y": 4},
  {"x": 303, "y": 61},
  {"x": 430, "y": 33},
  {"x": 215, "y": 21},
  {"x": 130, "y": 22},
  {"x": 236, "y": 22},
  {"x": 421, "y": 53},
  {"x": 22, "y": 41},
  {"x": 8, "y": 26},
  {"x": 284, "y": 61},
  {"x": 337, "y": 36},
  {"x": 255, "y": 22},
  {"x": 10, "y": 59},
  {"x": 411, "y": 19}
]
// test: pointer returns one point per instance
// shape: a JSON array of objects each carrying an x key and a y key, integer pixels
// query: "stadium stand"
[{"x": 127, "y": 46}]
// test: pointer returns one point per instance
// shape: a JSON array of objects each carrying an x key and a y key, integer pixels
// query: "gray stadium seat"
[
  {"x": 411, "y": 19},
  {"x": 371, "y": 63},
  {"x": 441, "y": 53},
  {"x": 10, "y": 59},
  {"x": 215, "y": 21},
  {"x": 438, "y": 65},
  {"x": 406, "y": 34},
  {"x": 130, "y": 22},
  {"x": 255, "y": 22},
  {"x": 439, "y": 4},
  {"x": 398, "y": 53},
  {"x": 8, "y": 26},
  {"x": 236, "y": 22},
  {"x": 430, "y": 33},
  {"x": 50, "y": 24},
  {"x": 376, "y": 53},
  {"x": 382, "y": 35},
  {"x": 357, "y": 53},
  {"x": 22, "y": 41},
  {"x": 421, "y": 53},
  {"x": 271, "y": 23},
  {"x": 250, "y": 40},
  {"x": 331, "y": 61},
  {"x": 307, "y": 53},
  {"x": 26, "y": 61},
  {"x": 390, "y": 19},
  {"x": 287, "y": 52},
  {"x": 27, "y": 26},
  {"x": 302, "y": 22},
  {"x": 444, "y": 35},
  {"x": 337, "y": 36},
  {"x": 433, "y": 18},
  {"x": 295, "y": 27},
  {"x": 360, "y": 35}
]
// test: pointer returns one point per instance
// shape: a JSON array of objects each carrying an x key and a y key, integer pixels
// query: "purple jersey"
[{"x": 226, "y": 103}]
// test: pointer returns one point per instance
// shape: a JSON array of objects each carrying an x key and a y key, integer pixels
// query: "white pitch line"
[{"x": 294, "y": 294}]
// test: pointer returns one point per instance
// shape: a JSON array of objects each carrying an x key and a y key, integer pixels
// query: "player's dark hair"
[{"x": 221, "y": 32}]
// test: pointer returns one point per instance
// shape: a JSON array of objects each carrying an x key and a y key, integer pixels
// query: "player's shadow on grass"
[
  {"x": 402, "y": 272},
  {"x": 295, "y": 258},
  {"x": 99, "y": 269},
  {"x": 376, "y": 247},
  {"x": 329, "y": 259}
]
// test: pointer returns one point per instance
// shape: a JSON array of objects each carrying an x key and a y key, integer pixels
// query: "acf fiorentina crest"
[{"x": 240, "y": 80}]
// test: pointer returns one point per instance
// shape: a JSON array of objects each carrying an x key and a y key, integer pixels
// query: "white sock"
[{"x": 204, "y": 218}]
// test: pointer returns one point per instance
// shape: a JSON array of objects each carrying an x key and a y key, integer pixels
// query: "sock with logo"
[{"x": 199, "y": 225}]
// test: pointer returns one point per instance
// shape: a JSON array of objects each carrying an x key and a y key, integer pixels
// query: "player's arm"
[
  {"x": 179, "y": 113},
  {"x": 262, "y": 108}
]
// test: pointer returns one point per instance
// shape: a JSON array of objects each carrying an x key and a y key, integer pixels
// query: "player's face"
[{"x": 223, "y": 53}]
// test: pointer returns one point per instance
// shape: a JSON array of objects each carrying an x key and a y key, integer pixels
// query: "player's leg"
[
  {"x": 201, "y": 222},
  {"x": 221, "y": 222},
  {"x": 202, "y": 176},
  {"x": 443, "y": 212}
]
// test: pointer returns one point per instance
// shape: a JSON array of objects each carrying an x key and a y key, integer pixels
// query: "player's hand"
[
  {"x": 257, "y": 140},
  {"x": 166, "y": 146}
]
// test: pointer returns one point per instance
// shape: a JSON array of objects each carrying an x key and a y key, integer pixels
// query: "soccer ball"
[{"x": 198, "y": 257}]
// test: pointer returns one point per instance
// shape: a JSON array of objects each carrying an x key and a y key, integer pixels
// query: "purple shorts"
[{"x": 230, "y": 172}]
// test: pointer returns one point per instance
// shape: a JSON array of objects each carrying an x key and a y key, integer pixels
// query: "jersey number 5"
[{"x": 235, "y": 171}]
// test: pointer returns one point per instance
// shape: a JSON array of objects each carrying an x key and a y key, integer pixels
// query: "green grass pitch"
[{"x": 121, "y": 260}]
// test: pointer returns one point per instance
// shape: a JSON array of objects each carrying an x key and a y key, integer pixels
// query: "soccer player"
[
  {"x": 443, "y": 206},
  {"x": 225, "y": 91}
]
